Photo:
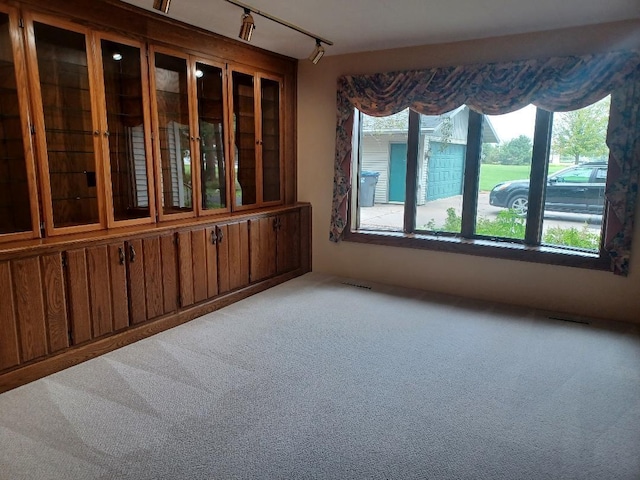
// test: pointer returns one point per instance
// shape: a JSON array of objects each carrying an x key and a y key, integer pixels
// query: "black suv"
[{"x": 577, "y": 189}]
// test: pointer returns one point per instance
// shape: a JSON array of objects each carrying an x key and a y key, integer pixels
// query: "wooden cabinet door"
[
  {"x": 198, "y": 259},
  {"x": 18, "y": 195},
  {"x": 288, "y": 248},
  {"x": 257, "y": 138},
  {"x": 152, "y": 277},
  {"x": 97, "y": 288},
  {"x": 33, "y": 313},
  {"x": 262, "y": 245},
  {"x": 233, "y": 255},
  {"x": 123, "y": 94},
  {"x": 67, "y": 133},
  {"x": 274, "y": 245},
  {"x": 172, "y": 116}
]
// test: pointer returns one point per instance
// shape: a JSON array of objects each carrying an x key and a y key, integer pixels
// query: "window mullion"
[
  {"x": 538, "y": 178},
  {"x": 413, "y": 141},
  {"x": 471, "y": 174}
]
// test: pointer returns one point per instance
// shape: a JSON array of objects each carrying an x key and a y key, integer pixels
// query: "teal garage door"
[{"x": 445, "y": 171}]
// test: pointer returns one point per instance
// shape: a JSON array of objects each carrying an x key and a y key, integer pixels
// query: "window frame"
[{"x": 530, "y": 249}]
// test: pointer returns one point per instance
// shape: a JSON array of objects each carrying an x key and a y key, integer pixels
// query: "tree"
[
  {"x": 517, "y": 151},
  {"x": 582, "y": 133}
]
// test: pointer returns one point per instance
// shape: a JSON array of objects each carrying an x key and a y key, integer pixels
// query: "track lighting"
[
  {"x": 162, "y": 5},
  {"x": 247, "y": 27},
  {"x": 317, "y": 53}
]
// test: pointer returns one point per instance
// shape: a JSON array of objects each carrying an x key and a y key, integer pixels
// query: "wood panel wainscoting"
[{"x": 69, "y": 299}]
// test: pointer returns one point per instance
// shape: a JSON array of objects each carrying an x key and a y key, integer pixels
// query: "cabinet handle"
[
  {"x": 106, "y": 134},
  {"x": 275, "y": 223},
  {"x": 220, "y": 235},
  {"x": 121, "y": 255},
  {"x": 96, "y": 133},
  {"x": 132, "y": 254},
  {"x": 214, "y": 238}
]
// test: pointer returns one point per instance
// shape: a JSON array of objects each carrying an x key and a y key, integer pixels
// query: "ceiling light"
[
  {"x": 117, "y": 56},
  {"x": 247, "y": 27},
  {"x": 162, "y": 5},
  {"x": 317, "y": 53}
]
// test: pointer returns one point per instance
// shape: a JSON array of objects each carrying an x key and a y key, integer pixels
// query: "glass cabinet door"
[
  {"x": 257, "y": 139},
  {"x": 244, "y": 139},
  {"x": 270, "y": 142},
  {"x": 72, "y": 196},
  {"x": 173, "y": 142},
  {"x": 126, "y": 133},
  {"x": 18, "y": 199},
  {"x": 211, "y": 131}
]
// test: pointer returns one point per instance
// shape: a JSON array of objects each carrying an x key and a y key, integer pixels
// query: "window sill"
[{"x": 484, "y": 248}]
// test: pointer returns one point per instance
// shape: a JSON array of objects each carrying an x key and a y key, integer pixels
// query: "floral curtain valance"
[{"x": 554, "y": 84}]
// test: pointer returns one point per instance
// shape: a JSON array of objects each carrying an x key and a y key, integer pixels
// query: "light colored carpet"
[{"x": 317, "y": 379}]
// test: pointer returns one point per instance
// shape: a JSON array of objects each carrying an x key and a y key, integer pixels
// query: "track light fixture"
[
  {"x": 247, "y": 26},
  {"x": 317, "y": 53},
  {"x": 162, "y": 5}
]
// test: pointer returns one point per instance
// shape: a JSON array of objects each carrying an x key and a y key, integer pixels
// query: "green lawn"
[{"x": 491, "y": 175}]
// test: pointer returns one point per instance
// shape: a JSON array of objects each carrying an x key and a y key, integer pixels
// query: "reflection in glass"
[
  {"x": 173, "y": 133},
  {"x": 211, "y": 125},
  {"x": 15, "y": 214},
  {"x": 270, "y": 95},
  {"x": 125, "y": 120},
  {"x": 507, "y": 148},
  {"x": 245, "y": 139},
  {"x": 64, "y": 83}
]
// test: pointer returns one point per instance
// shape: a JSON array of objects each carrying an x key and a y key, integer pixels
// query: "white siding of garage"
[{"x": 375, "y": 158}]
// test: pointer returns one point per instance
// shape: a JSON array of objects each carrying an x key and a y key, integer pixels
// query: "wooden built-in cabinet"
[
  {"x": 213, "y": 260},
  {"x": 104, "y": 128},
  {"x": 116, "y": 285},
  {"x": 33, "y": 309},
  {"x": 256, "y": 141},
  {"x": 147, "y": 176},
  {"x": 64, "y": 302},
  {"x": 275, "y": 245}
]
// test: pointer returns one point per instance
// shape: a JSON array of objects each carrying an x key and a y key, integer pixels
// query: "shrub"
[{"x": 509, "y": 224}]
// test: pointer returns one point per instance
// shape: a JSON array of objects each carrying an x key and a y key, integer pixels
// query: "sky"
[{"x": 514, "y": 124}]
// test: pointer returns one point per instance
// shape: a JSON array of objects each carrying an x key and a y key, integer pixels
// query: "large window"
[{"x": 526, "y": 179}]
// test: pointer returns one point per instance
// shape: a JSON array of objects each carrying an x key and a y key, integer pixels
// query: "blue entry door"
[{"x": 398, "y": 172}]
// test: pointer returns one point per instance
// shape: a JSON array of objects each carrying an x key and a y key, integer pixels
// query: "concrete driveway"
[{"x": 390, "y": 216}]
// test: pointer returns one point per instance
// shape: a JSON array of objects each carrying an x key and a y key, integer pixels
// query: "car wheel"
[{"x": 519, "y": 204}]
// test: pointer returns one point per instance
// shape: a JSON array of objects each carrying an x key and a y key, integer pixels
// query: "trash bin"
[{"x": 367, "y": 192}]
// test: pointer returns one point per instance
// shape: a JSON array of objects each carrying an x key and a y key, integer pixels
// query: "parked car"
[{"x": 576, "y": 189}]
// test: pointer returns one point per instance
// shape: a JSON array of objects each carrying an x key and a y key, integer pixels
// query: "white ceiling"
[{"x": 363, "y": 25}]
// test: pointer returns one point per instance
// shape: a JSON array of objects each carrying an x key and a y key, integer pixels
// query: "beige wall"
[{"x": 562, "y": 289}]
